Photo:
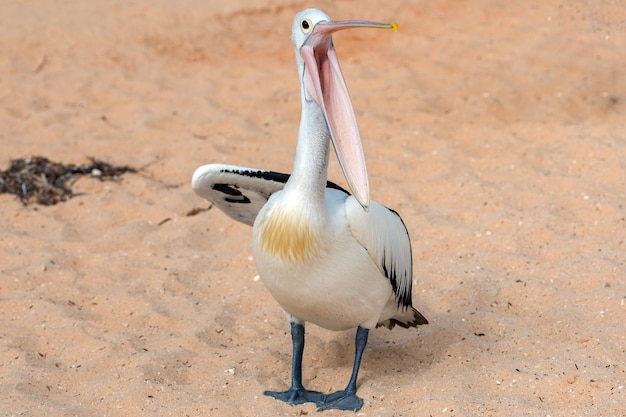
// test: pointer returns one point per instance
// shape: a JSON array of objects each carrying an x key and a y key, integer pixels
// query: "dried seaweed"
[{"x": 38, "y": 180}]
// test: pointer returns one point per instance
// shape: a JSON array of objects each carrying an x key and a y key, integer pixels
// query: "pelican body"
[{"x": 327, "y": 255}]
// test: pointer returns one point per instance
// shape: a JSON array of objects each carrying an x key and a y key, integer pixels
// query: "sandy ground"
[{"x": 497, "y": 129}]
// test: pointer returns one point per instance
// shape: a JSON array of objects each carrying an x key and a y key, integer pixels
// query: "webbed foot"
[
  {"x": 341, "y": 400},
  {"x": 295, "y": 396}
]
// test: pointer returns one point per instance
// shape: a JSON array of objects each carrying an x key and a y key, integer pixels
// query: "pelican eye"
[{"x": 306, "y": 25}]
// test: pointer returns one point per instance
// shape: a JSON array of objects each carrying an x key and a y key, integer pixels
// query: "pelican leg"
[
  {"x": 347, "y": 398},
  {"x": 297, "y": 394}
]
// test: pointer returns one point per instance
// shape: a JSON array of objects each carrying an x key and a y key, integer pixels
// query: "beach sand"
[{"x": 496, "y": 129}]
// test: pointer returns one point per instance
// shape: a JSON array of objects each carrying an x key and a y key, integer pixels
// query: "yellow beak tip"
[{"x": 394, "y": 26}]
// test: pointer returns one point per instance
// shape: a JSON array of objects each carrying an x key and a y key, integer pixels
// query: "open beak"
[{"x": 324, "y": 83}]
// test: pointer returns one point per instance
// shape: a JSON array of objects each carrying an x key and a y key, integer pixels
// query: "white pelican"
[{"x": 328, "y": 257}]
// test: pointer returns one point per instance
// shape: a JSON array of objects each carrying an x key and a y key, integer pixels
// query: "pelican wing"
[
  {"x": 240, "y": 192},
  {"x": 383, "y": 234}
]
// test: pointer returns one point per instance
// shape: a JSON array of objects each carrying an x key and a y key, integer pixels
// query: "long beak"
[{"x": 324, "y": 83}]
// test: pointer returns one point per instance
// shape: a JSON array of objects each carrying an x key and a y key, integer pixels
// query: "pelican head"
[{"x": 323, "y": 83}]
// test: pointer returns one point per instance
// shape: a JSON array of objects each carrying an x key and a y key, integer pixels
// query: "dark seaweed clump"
[{"x": 39, "y": 180}]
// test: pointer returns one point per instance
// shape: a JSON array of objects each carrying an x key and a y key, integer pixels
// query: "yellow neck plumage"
[{"x": 289, "y": 235}]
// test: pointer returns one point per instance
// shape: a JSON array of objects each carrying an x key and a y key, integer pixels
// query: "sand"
[{"x": 497, "y": 129}]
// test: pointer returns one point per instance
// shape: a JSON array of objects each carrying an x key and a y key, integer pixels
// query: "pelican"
[{"x": 328, "y": 256}]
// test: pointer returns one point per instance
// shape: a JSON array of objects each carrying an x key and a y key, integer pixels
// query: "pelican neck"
[{"x": 310, "y": 168}]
